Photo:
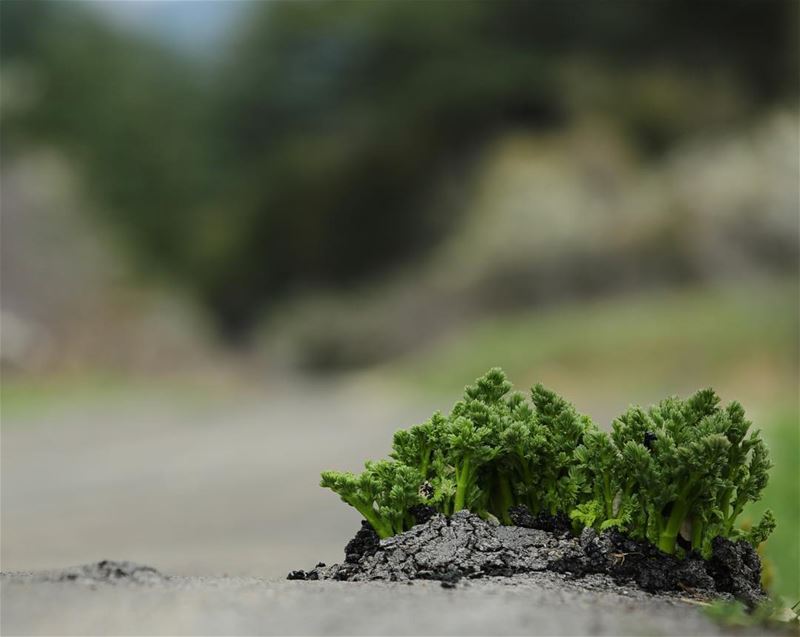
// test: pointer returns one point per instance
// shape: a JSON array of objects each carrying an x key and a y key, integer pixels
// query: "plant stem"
[
  {"x": 607, "y": 497},
  {"x": 697, "y": 534},
  {"x": 462, "y": 481},
  {"x": 506, "y": 500},
  {"x": 381, "y": 528},
  {"x": 668, "y": 537}
]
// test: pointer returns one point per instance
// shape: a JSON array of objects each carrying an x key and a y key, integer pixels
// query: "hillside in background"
[
  {"x": 559, "y": 218},
  {"x": 309, "y": 150}
]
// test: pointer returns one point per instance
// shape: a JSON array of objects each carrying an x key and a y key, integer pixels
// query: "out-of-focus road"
[{"x": 191, "y": 483}]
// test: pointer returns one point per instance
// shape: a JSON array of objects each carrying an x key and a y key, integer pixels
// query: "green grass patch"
[
  {"x": 24, "y": 398},
  {"x": 682, "y": 339},
  {"x": 782, "y": 495}
]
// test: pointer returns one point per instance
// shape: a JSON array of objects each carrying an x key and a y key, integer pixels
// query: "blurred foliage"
[
  {"x": 768, "y": 615},
  {"x": 563, "y": 216},
  {"x": 744, "y": 337},
  {"x": 311, "y": 153},
  {"x": 782, "y": 495}
]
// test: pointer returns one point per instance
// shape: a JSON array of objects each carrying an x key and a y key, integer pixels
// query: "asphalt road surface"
[{"x": 544, "y": 604}]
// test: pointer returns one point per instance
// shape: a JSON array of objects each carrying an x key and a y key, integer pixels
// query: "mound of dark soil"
[{"x": 465, "y": 546}]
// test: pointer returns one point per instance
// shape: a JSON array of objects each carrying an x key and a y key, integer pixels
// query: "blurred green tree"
[{"x": 308, "y": 156}]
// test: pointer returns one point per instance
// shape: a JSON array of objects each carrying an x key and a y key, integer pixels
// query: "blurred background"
[{"x": 243, "y": 242}]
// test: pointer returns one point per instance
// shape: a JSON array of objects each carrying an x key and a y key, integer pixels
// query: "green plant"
[
  {"x": 781, "y": 553},
  {"x": 382, "y": 493},
  {"x": 681, "y": 466},
  {"x": 771, "y": 614}
]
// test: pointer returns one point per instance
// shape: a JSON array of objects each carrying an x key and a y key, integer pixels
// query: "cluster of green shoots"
[{"x": 682, "y": 467}]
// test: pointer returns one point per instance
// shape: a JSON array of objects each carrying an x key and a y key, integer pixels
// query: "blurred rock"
[
  {"x": 557, "y": 217},
  {"x": 70, "y": 300}
]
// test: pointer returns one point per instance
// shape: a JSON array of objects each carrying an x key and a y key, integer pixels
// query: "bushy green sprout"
[
  {"x": 468, "y": 452},
  {"x": 682, "y": 467},
  {"x": 383, "y": 493},
  {"x": 530, "y": 447},
  {"x": 516, "y": 477},
  {"x": 563, "y": 429},
  {"x": 761, "y": 531},
  {"x": 415, "y": 446},
  {"x": 442, "y": 486},
  {"x": 606, "y": 477}
]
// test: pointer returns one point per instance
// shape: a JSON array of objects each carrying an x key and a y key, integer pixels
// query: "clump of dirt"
[
  {"x": 558, "y": 523},
  {"x": 365, "y": 543},
  {"x": 736, "y": 569},
  {"x": 465, "y": 546},
  {"x": 627, "y": 560},
  {"x": 422, "y": 513},
  {"x": 105, "y": 571}
]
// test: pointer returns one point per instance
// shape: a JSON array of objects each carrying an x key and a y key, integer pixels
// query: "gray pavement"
[
  {"x": 223, "y": 482},
  {"x": 543, "y": 604}
]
